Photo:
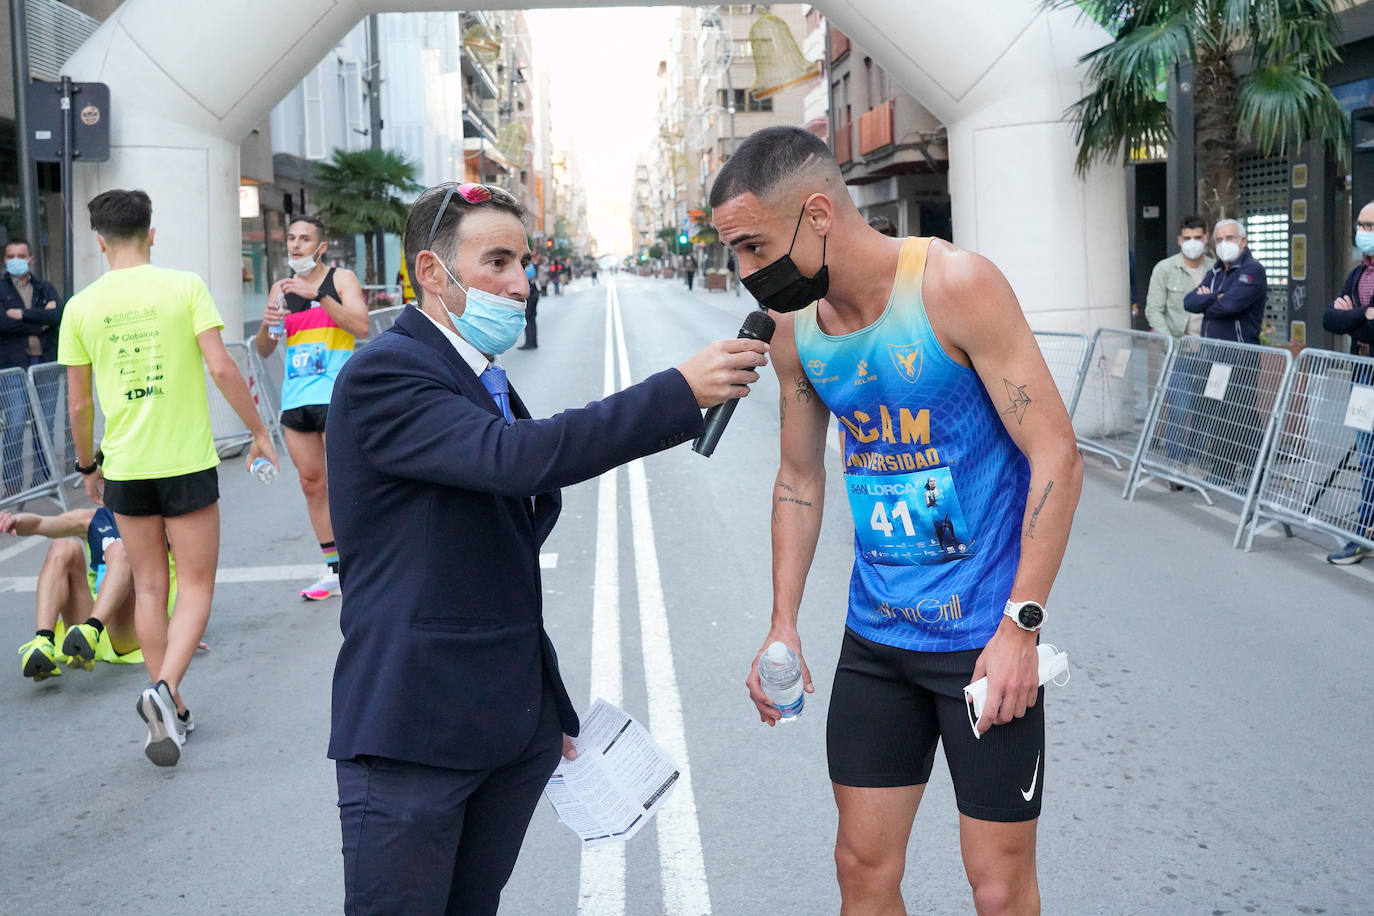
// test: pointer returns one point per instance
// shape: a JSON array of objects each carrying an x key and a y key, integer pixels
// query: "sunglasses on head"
[{"x": 473, "y": 194}]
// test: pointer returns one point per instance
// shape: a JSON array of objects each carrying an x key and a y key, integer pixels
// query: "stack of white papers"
[{"x": 619, "y": 779}]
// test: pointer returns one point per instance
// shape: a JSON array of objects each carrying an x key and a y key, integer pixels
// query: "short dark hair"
[
  {"x": 426, "y": 208},
  {"x": 20, "y": 240},
  {"x": 765, "y": 159},
  {"x": 121, "y": 214},
  {"x": 1192, "y": 222},
  {"x": 883, "y": 225},
  {"x": 312, "y": 220}
]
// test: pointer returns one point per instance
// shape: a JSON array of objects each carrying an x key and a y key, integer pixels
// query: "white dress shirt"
[{"x": 475, "y": 358}]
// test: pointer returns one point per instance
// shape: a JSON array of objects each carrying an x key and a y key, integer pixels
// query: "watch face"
[{"x": 1031, "y": 616}]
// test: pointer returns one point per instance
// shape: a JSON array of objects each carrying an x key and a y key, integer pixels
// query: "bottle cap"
[{"x": 777, "y": 653}]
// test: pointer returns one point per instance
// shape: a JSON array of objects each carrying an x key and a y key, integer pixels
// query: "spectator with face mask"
[
  {"x": 1353, "y": 313},
  {"x": 30, "y": 311},
  {"x": 1171, "y": 280},
  {"x": 1231, "y": 302}
]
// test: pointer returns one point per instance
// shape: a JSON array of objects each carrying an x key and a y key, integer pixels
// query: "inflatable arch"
[{"x": 190, "y": 80}]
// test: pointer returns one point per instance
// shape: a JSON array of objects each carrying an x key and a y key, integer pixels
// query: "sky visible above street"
[{"x": 603, "y": 66}]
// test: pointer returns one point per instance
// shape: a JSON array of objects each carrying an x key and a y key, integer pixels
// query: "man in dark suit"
[{"x": 448, "y": 708}]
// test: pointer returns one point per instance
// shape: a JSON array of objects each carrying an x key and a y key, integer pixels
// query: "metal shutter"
[{"x": 1264, "y": 197}]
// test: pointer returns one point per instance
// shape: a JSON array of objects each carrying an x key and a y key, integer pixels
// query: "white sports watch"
[{"x": 1028, "y": 615}]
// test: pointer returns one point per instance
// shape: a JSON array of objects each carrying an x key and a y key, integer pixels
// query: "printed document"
[{"x": 619, "y": 779}]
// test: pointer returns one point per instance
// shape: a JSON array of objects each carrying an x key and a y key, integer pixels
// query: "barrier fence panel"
[
  {"x": 49, "y": 381},
  {"x": 1212, "y": 427},
  {"x": 1122, "y": 379},
  {"x": 1064, "y": 353},
  {"x": 231, "y": 435},
  {"x": 1320, "y": 472},
  {"x": 27, "y": 465},
  {"x": 381, "y": 319}
]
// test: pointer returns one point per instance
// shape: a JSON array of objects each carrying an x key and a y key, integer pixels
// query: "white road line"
[
  {"x": 236, "y": 574},
  {"x": 601, "y": 887},
  {"x": 15, "y": 550},
  {"x": 682, "y": 869}
]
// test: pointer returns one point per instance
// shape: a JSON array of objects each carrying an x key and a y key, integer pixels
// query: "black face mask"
[{"x": 780, "y": 286}]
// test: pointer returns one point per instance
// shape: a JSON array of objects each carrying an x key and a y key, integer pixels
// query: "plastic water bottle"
[
  {"x": 264, "y": 470},
  {"x": 278, "y": 331},
  {"x": 780, "y": 676}
]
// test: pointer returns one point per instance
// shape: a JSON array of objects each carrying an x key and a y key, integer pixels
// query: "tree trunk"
[
  {"x": 369, "y": 240},
  {"x": 1215, "y": 88}
]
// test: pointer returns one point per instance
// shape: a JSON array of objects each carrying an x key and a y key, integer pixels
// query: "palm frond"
[
  {"x": 1286, "y": 103},
  {"x": 1274, "y": 29}
]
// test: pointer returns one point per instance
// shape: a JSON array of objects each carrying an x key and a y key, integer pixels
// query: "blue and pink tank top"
[{"x": 315, "y": 349}]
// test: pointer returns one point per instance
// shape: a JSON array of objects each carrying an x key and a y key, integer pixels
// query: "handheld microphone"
[{"x": 758, "y": 325}]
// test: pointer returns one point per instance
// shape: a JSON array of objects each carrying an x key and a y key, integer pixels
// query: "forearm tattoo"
[{"x": 1035, "y": 516}]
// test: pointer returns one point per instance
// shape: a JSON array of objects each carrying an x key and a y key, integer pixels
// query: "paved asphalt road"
[{"x": 1210, "y": 754}]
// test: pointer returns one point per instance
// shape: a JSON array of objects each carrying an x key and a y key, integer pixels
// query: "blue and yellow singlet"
[{"x": 936, "y": 485}]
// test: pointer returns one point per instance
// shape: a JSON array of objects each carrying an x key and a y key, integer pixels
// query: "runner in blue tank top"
[{"x": 962, "y": 475}]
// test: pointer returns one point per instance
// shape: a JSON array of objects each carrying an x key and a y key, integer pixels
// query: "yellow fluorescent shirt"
[{"x": 136, "y": 327}]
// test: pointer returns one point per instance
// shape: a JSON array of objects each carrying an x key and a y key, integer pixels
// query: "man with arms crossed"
[
  {"x": 448, "y": 704},
  {"x": 322, "y": 312},
  {"x": 922, "y": 352},
  {"x": 142, "y": 333}
]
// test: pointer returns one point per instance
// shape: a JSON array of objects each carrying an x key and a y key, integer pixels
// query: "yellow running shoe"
[
  {"x": 36, "y": 659},
  {"x": 80, "y": 644}
]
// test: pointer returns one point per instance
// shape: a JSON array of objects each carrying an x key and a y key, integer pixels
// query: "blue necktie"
[{"x": 494, "y": 380}]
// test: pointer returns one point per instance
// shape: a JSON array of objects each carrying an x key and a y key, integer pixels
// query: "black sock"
[
  {"x": 183, "y": 716},
  {"x": 99, "y": 627},
  {"x": 51, "y": 634}
]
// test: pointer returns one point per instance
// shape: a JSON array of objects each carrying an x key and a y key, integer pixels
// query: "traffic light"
[
  {"x": 682, "y": 239},
  {"x": 548, "y": 243}
]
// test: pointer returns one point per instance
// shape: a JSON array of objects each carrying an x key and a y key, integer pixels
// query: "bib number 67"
[{"x": 882, "y": 521}]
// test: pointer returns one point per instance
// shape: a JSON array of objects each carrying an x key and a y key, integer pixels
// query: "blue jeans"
[{"x": 1178, "y": 403}]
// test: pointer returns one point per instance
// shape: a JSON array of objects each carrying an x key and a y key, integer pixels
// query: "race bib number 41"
[{"x": 909, "y": 519}]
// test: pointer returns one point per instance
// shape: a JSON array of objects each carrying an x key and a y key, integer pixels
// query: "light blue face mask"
[
  {"x": 17, "y": 266},
  {"x": 1365, "y": 241},
  {"x": 489, "y": 322}
]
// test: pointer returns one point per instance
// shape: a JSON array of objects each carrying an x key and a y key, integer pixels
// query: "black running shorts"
[
  {"x": 889, "y": 708},
  {"x": 165, "y": 496},
  {"x": 307, "y": 419}
]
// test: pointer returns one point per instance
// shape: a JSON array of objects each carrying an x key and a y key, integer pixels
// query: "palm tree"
[
  {"x": 358, "y": 192},
  {"x": 1257, "y": 80}
]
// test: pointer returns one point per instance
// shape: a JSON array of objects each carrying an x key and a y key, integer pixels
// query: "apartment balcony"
[
  {"x": 844, "y": 143},
  {"x": 839, "y": 44},
  {"x": 477, "y": 121},
  {"x": 875, "y": 128}
]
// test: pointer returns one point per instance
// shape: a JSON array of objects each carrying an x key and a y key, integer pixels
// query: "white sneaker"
[
  {"x": 158, "y": 710},
  {"x": 326, "y": 587}
]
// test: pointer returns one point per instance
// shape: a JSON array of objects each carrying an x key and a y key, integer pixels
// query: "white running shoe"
[
  {"x": 157, "y": 708},
  {"x": 326, "y": 587}
]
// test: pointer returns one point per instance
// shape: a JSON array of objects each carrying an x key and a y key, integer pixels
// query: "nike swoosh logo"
[{"x": 1027, "y": 794}]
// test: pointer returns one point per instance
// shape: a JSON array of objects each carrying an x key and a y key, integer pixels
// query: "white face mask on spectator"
[
  {"x": 1228, "y": 251},
  {"x": 1192, "y": 249}
]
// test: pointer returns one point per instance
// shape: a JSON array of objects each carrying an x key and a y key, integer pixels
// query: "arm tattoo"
[
  {"x": 804, "y": 390},
  {"x": 1016, "y": 394},
  {"x": 1035, "y": 516},
  {"x": 782, "y": 410},
  {"x": 793, "y": 499}
]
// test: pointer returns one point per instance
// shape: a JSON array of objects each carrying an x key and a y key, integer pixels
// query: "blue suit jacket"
[{"x": 439, "y": 510}]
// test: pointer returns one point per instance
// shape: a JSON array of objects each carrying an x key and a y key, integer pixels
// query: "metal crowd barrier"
[
  {"x": 231, "y": 436},
  {"x": 1116, "y": 396},
  {"x": 49, "y": 381},
  {"x": 1320, "y": 473},
  {"x": 1211, "y": 425},
  {"x": 1064, "y": 353},
  {"x": 27, "y": 466},
  {"x": 381, "y": 319}
]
